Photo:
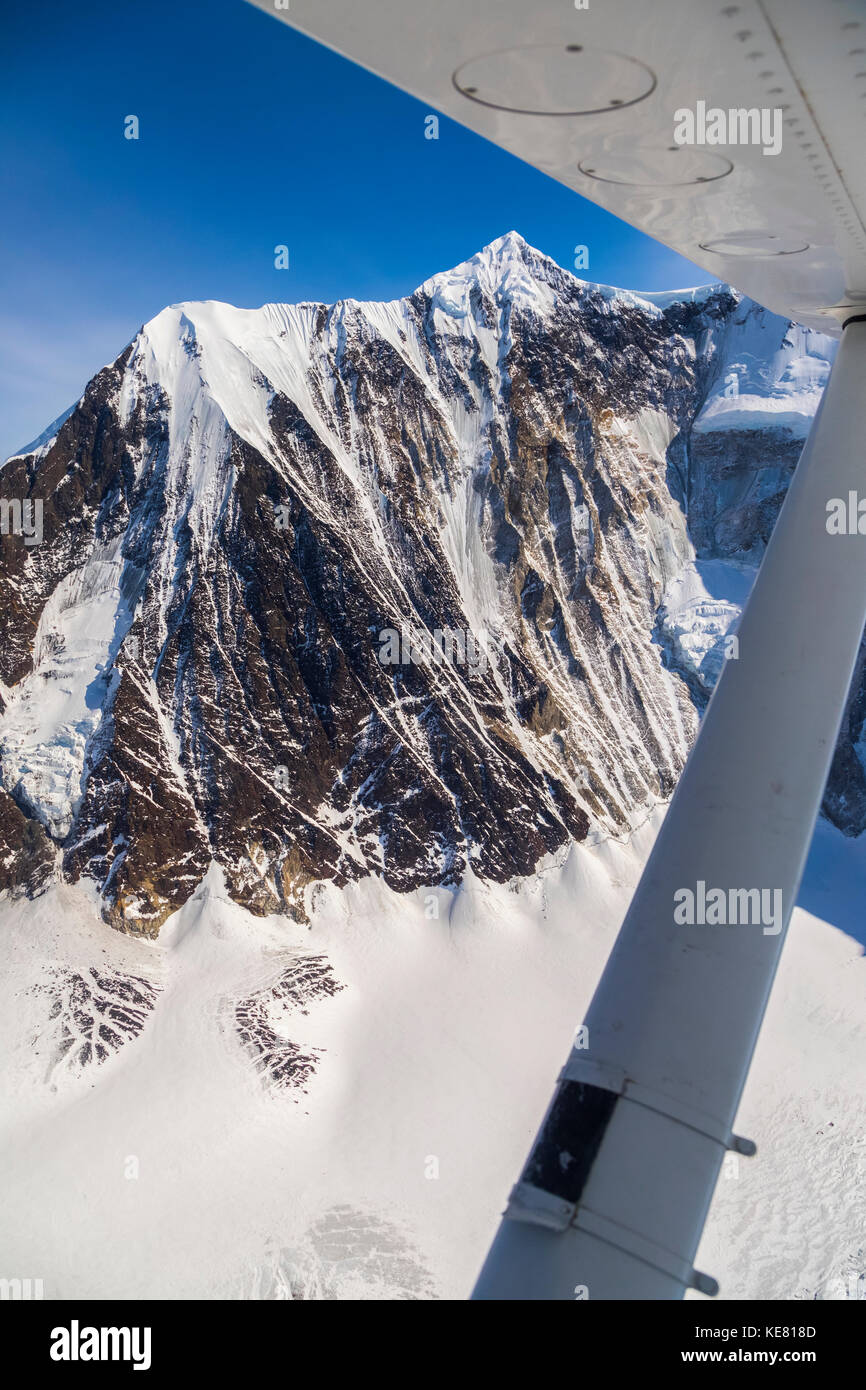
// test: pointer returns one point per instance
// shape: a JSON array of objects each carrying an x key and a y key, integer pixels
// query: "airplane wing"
[{"x": 589, "y": 96}]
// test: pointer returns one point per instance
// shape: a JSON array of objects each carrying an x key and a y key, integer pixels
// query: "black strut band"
[
  {"x": 855, "y": 318},
  {"x": 570, "y": 1139}
]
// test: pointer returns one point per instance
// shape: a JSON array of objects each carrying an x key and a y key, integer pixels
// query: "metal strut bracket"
[
  {"x": 612, "y": 1078},
  {"x": 579, "y": 1124}
]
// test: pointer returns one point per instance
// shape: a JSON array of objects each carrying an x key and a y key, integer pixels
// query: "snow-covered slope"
[{"x": 339, "y": 1110}]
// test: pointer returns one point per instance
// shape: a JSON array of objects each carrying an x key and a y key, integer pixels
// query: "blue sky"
[{"x": 250, "y": 136}]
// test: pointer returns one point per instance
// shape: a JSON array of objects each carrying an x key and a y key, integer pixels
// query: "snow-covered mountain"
[
  {"x": 246, "y": 500},
  {"x": 223, "y": 695}
]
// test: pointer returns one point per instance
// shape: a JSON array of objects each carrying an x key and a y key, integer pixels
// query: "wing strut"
[{"x": 613, "y": 1198}]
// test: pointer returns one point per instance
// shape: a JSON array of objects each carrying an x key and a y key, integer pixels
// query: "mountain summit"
[{"x": 408, "y": 588}]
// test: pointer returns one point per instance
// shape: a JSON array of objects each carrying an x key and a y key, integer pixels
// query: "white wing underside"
[{"x": 787, "y": 229}]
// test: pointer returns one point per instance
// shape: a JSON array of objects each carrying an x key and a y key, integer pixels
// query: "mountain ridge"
[{"x": 245, "y": 500}]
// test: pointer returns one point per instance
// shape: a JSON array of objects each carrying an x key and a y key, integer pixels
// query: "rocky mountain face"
[{"x": 407, "y": 589}]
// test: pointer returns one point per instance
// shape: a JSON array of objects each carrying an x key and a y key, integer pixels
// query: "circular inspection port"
[
  {"x": 658, "y": 166},
  {"x": 555, "y": 80},
  {"x": 758, "y": 244}
]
